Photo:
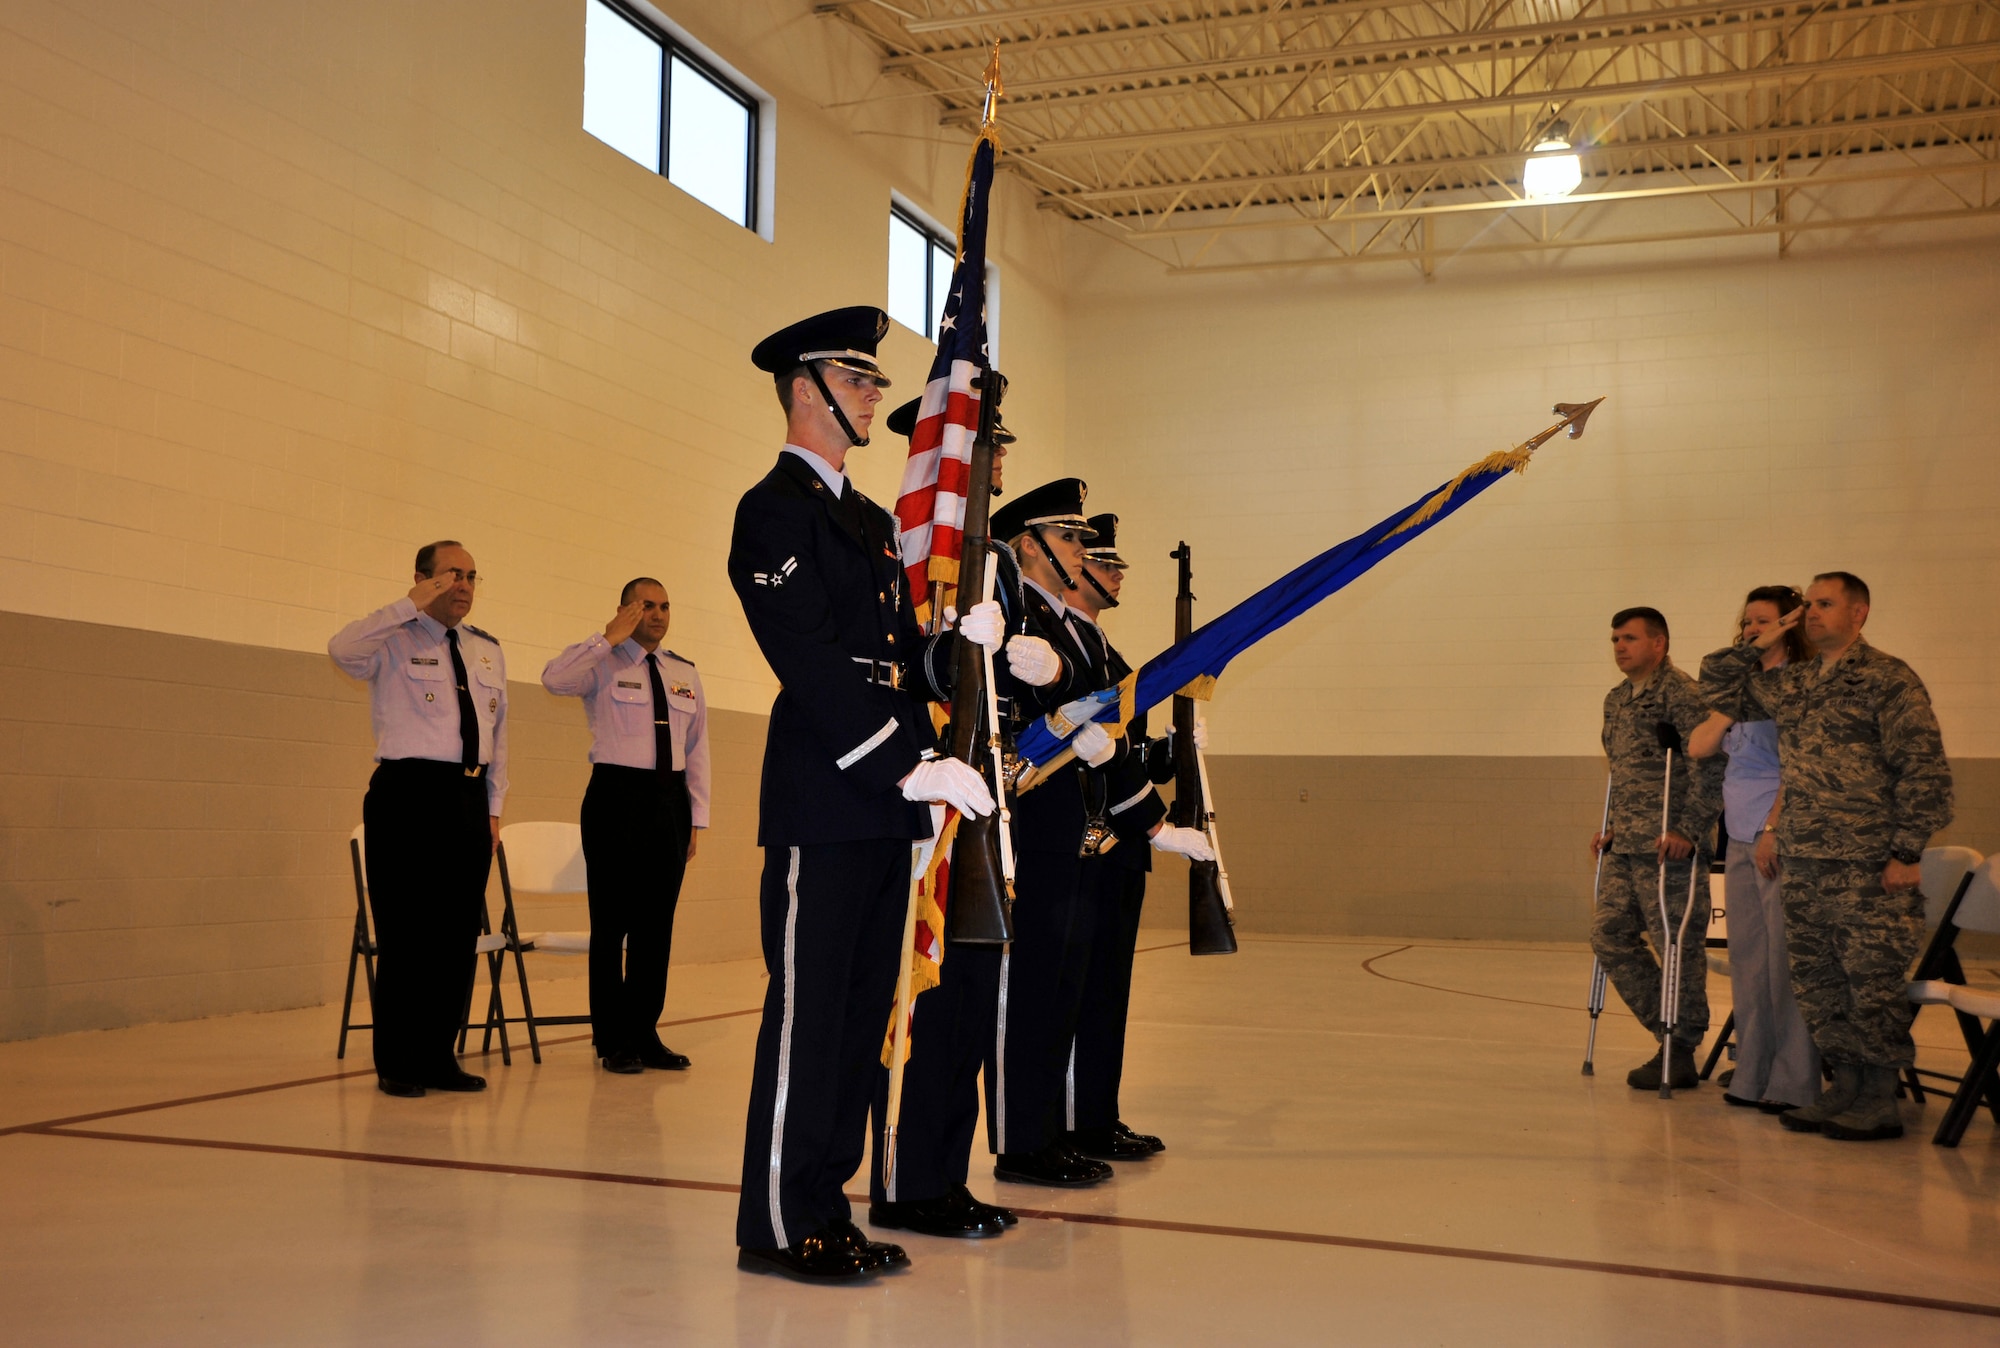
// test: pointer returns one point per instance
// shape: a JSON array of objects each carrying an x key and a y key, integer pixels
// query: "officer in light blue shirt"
[
  {"x": 648, "y": 792},
  {"x": 437, "y": 689}
]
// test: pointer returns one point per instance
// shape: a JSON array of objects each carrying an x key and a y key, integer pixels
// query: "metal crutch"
[
  {"x": 1670, "y": 740},
  {"x": 1597, "y": 965},
  {"x": 1671, "y": 976}
]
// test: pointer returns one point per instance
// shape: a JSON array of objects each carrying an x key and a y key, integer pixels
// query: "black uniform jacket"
[
  {"x": 823, "y": 588},
  {"x": 1123, "y": 787},
  {"x": 1051, "y": 817}
]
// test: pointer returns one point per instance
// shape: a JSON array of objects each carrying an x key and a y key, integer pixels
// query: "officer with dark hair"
[
  {"x": 1654, "y": 695},
  {"x": 437, "y": 692},
  {"x": 648, "y": 794},
  {"x": 850, "y": 763}
]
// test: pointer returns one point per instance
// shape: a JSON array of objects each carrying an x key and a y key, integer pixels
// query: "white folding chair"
[
  {"x": 541, "y": 857},
  {"x": 1978, "y": 909},
  {"x": 362, "y": 952},
  {"x": 1947, "y": 871}
]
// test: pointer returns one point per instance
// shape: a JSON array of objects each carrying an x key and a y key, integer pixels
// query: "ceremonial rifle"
[
  {"x": 1211, "y": 923},
  {"x": 979, "y": 907}
]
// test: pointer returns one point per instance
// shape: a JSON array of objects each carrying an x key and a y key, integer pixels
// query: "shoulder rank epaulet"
[
  {"x": 676, "y": 655},
  {"x": 480, "y": 632}
]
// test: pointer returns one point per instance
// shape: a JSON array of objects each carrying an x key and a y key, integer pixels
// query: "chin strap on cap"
[
  {"x": 1097, "y": 585},
  {"x": 847, "y": 427},
  {"x": 1057, "y": 566}
]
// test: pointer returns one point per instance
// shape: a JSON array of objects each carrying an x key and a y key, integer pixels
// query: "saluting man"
[
  {"x": 648, "y": 794},
  {"x": 437, "y": 690},
  {"x": 850, "y": 764}
]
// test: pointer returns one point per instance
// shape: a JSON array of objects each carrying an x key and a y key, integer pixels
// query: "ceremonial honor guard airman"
[
  {"x": 437, "y": 691},
  {"x": 850, "y": 765},
  {"x": 648, "y": 794}
]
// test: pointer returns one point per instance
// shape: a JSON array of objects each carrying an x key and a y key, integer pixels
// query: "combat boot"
[
  {"x": 1833, "y": 1100},
  {"x": 1681, "y": 1073},
  {"x": 1873, "y": 1116}
]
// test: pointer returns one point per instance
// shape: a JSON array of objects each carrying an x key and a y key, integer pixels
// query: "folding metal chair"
[
  {"x": 540, "y": 857},
  {"x": 362, "y": 951},
  {"x": 1947, "y": 873},
  {"x": 1977, "y": 908},
  {"x": 1715, "y": 947}
]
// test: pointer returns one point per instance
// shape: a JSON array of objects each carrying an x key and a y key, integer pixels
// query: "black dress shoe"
[
  {"x": 1107, "y": 1145},
  {"x": 1054, "y": 1165},
  {"x": 453, "y": 1078},
  {"x": 624, "y": 1064},
  {"x": 405, "y": 1090},
  {"x": 813, "y": 1259},
  {"x": 874, "y": 1254},
  {"x": 1771, "y": 1106},
  {"x": 1729, "y": 1099},
  {"x": 934, "y": 1217},
  {"x": 962, "y": 1197},
  {"x": 1147, "y": 1138},
  {"x": 662, "y": 1058}
]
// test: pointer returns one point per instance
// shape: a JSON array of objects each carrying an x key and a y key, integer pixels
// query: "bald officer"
[
  {"x": 850, "y": 763},
  {"x": 648, "y": 793},
  {"x": 437, "y": 688}
]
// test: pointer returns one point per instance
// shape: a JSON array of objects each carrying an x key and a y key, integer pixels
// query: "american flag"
[{"x": 931, "y": 507}]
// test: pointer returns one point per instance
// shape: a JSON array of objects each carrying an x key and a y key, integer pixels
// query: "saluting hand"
[
  {"x": 428, "y": 590},
  {"x": 623, "y": 623},
  {"x": 1771, "y": 636}
]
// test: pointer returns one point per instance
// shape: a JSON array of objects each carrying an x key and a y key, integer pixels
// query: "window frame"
[
  {"x": 934, "y": 238},
  {"x": 759, "y": 149}
]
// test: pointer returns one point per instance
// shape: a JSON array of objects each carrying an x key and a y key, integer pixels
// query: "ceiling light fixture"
[{"x": 1553, "y": 170}]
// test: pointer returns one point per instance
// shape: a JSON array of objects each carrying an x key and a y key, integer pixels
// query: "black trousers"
[
  {"x": 429, "y": 847},
  {"x": 1116, "y": 894},
  {"x": 832, "y": 930},
  {"x": 951, "y": 1038},
  {"x": 1041, "y": 986},
  {"x": 636, "y": 824}
]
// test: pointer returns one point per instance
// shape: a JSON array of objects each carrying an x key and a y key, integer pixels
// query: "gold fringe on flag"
[{"x": 925, "y": 973}]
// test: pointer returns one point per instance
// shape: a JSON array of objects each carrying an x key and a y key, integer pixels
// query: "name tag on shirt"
[
  {"x": 423, "y": 659},
  {"x": 624, "y": 684}
]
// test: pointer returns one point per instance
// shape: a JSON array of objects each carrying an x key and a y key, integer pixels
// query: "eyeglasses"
[{"x": 469, "y": 577}]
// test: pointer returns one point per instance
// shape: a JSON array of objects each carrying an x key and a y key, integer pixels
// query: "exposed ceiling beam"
[
  {"x": 1436, "y": 254},
  {"x": 1465, "y": 164},
  {"x": 1025, "y": 143}
]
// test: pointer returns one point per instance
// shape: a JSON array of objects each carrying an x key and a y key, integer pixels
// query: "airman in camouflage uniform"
[
  {"x": 1628, "y": 908},
  {"x": 1866, "y": 784}
]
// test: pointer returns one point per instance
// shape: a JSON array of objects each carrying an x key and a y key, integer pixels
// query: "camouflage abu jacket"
[
  {"x": 1638, "y": 763},
  {"x": 1859, "y": 751}
]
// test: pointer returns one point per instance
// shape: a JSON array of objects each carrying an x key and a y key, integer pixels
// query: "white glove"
[
  {"x": 1033, "y": 661},
  {"x": 951, "y": 782},
  {"x": 1093, "y": 745},
  {"x": 1200, "y": 728},
  {"x": 982, "y": 624},
  {"x": 1191, "y": 843}
]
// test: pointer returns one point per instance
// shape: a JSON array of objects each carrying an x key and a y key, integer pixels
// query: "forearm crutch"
[
  {"x": 1597, "y": 979},
  {"x": 1670, "y": 740},
  {"x": 1671, "y": 975}
]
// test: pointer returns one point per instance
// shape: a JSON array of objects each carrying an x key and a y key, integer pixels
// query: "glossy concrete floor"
[{"x": 1370, "y": 1142}]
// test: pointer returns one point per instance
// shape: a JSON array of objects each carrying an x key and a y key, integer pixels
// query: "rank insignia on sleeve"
[{"x": 774, "y": 579}]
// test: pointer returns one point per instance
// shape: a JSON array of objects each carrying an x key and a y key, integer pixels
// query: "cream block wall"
[
  {"x": 1764, "y": 420},
  {"x": 287, "y": 289}
]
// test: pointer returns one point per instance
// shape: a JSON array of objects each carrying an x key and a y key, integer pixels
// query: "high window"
[
  {"x": 920, "y": 263},
  {"x": 649, "y": 96}
]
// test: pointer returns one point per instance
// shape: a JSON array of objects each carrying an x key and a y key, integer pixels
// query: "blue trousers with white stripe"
[{"x": 832, "y": 931}]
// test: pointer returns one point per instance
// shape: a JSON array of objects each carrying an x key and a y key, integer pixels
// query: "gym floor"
[{"x": 1369, "y": 1142}]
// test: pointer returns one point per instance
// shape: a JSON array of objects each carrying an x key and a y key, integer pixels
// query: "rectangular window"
[
  {"x": 653, "y": 99},
  {"x": 920, "y": 263}
]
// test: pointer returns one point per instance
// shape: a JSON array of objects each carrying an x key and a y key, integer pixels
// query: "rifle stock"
[
  {"x": 979, "y": 907},
  {"x": 1211, "y": 928}
]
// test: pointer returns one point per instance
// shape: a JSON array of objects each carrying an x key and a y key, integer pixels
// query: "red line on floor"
[
  {"x": 240, "y": 1091},
  {"x": 1089, "y": 1219}
]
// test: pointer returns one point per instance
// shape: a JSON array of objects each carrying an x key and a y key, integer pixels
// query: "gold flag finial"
[{"x": 993, "y": 87}]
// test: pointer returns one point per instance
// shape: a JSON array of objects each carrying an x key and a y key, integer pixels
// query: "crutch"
[
  {"x": 1670, "y": 978},
  {"x": 1596, "y": 965},
  {"x": 1670, "y": 740}
]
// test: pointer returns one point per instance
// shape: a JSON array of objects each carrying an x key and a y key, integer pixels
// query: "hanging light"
[{"x": 1553, "y": 170}]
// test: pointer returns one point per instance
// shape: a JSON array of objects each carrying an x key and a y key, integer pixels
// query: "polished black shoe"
[
  {"x": 1106, "y": 1144},
  {"x": 814, "y": 1259},
  {"x": 935, "y": 1217},
  {"x": 1147, "y": 1138},
  {"x": 1729, "y": 1099},
  {"x": 453, "y": 1079},
  {"x": 875, "y": 1254},
  {"x": 962, "y": 1197},
  {"x": 663, "y": 1059},
  {"x": 1054, "y": 1165},
  {"x": 624, "y": 1064},
  {"x": 403, "y": 1090}
]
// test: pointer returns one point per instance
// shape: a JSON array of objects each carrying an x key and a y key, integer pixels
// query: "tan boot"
[
  {"x": 1833, "y": 1100},
  {"x": 1873, "y": 1115}
]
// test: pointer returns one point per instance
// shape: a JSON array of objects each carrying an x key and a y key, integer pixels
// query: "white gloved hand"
[
  {"x": 1033, "y": 661},
  {"x": 1200, "y": 728},
  {"x": 1093, "y": 745},
  {"x": 1191, "y": 843},
  {"x": 951, "y": 782},
  {"x": 982, "y": 625}
]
